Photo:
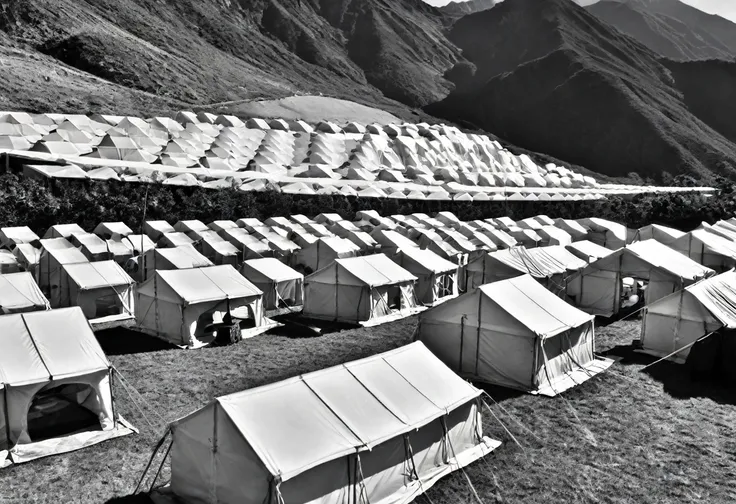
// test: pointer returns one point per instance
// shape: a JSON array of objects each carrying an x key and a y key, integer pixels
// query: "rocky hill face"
[
  {"x": 459, "y": 9},
  {"x": 573, "y": 86},
  {"x": 671, "y": 28},
  {"x": 208, "y": 51}
]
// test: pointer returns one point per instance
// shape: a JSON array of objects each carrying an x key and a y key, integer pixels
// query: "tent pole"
[
  {"x": 111, "y": 373},
  {"x": 679, "y": 318},
  {"x": 7, "y": 416},
  {"x": 477, "y": 340},
  {"x": 462, "y": 341}
]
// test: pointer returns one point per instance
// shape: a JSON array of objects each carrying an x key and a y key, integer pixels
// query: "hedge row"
[{"x": 41, "y": 204}]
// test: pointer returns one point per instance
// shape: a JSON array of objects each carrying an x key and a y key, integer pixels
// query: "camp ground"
[
  {"x": 52, "y": 367},
  {"x": 510, "y": 329},
  {"x": 361, "y": 425},
  {"x": 514, "y": 333}
]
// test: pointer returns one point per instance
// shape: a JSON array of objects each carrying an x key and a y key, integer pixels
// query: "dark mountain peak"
[
  {"x": 550, "y": 76},
  {"x": 671, "y": 28}
]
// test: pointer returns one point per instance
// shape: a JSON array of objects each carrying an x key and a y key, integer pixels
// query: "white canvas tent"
[
  {"x": 49, "y": 275},
  {"x": 597, "y": 288},
  {"x": 436, "y": 277},
  {"x": 708, "y": 249},
  {"x": 180, "y": 306},
  {"x": 550, "y": 265},
  {"x": 369, "y": 290},
  {"x": 677, "y": 321},
  {"x": 27, "y": 256},
  {"x": 382, "y": 429},
  {"x": 606, "y": 233},
  {"x": 183, "y": 257},
  {"x": 12, "y": 236},
  {"x": 19, "y": 293},
  {"x": 514, "y": 333},
  {"x": 102, "y": 289},
  {"x": 51, "y": 361},
  {"x": 322, "y": 252},
  {"x": 282, "y": 286}
]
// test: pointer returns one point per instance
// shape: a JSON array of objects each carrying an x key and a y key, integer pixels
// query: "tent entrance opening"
[{"x": 58, "y": 411}]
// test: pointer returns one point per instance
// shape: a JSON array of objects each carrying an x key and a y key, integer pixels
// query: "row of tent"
[
  {"x": 428, "y": 154},
  {"x": 432, "y": 259}
]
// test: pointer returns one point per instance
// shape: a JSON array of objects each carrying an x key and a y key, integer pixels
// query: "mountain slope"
[
  {"x": 671, "y": 28},
  {"x": 205, "y": 51},
  {"x": 463, "y": 8},
  {"x": 572, "y": 86}
]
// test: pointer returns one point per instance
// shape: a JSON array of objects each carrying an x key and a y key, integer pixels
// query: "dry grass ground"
[{"x": 625, "y": 436}]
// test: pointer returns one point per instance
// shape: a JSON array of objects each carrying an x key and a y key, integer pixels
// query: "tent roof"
[
  {"x": 44, "y": 344},
  {"x": 95, "y": 275},
  {"x": 539, "y": 262},
  {"x": 63, "y": 230},
  {"x": 113, "y": 227},
  {"x": 662, "y": 256},
  {"x": 590, "y": 249},
  {"x": 344, "y": 409},
  {"x": 372, "y": 270},
  {"x": 183, "y": 257},
  {"x": 272, "y": 269},
  {"x": 20, "y": 291},
  {"x": 428, "y": 260},
  {"x": 534, "y": 306},
  {"x": 718, "y": 295},
  {"x": 15, "y": 235},
  {"x": 202, "y": 285}
]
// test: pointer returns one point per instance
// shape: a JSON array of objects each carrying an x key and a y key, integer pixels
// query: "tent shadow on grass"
[
  {"x": 130, "y": 499},
  {"x": 680, "y": 381},
  {"x": 498, "y": 393},
  {"x": 121, "y": 341}
]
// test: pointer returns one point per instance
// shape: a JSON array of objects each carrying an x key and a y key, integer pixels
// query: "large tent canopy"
[
  {"x": 597, "y": 289},
  {"x": 322, "y": 252},
  {"x": 20, "y": 293},
  {"x": 180, "y": 305},
  {"x": 677, "y": 321},
  {"x": 366, "y": 289},
  {"x": 513, "y": 333},
  {"x": 47, "y": 351},
  {"x": 360, "y": 425},
  {"x": 182, "y": 257}
]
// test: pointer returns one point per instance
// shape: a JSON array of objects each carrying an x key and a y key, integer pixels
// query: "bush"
[{"x": 41, "y": 204}]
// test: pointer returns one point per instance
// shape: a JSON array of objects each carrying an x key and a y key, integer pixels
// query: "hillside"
[
  {"x": 209, "y": 51},
  {"x": 576, "y": 88},
  {"x": 671, "y": 28},
  {"x": 463, "y": 8}
]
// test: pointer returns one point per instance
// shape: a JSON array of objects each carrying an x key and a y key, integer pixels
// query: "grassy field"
[{"x": 625, "y": 436}]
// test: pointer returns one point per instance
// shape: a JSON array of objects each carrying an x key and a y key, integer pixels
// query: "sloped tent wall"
[
  {"x": 676, "y": 321},
  {"x": 513, "y": 333},
  {"x": 322, "y": 252},
  {"x": 19, "y": 293},
  {"x": 359, "y": 290},
  {"x": 381, "y": 429},
  {"x": 170, "y": 305},
  {"x": 282, "y": 286},
  {"x": 44, "y": 350}
]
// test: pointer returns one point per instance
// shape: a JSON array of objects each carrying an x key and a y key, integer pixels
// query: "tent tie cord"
[
  {"x": 504, "y": 427},
  {"x": 158, "y": 446},
  {"x": 125, "y": 384},
  {"x": 465, "y": 473}
]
